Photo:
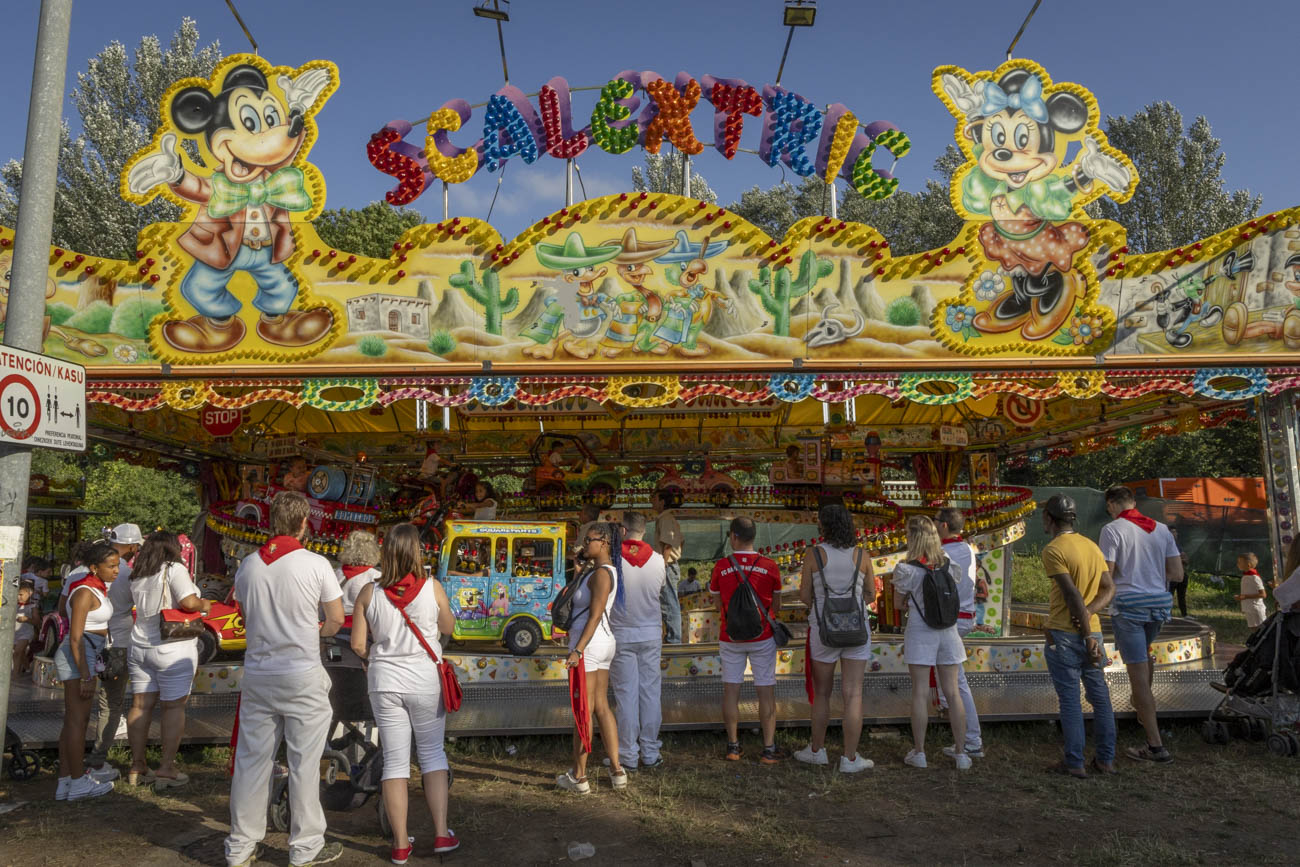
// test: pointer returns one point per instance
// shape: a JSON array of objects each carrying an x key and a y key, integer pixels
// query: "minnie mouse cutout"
[{"x": 254, "y": 138}]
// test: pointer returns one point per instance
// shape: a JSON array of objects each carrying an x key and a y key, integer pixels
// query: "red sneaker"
[
  {"x": 450, "y": 843},
  {"x": 401, "y": 856}
]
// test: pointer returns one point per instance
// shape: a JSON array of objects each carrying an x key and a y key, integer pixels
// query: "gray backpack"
[{"x": 842, "y": 619}]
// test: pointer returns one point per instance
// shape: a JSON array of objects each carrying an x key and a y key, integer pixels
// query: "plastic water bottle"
[{"x": 579, "y": 851}]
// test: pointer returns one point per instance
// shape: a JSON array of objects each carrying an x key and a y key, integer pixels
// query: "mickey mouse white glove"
[
  {"x": 969, "y": 99},
  {"x": 300, "y": 93},
  {"x": 163, "y": 167},
  {"x": 1103, "y": 167}
]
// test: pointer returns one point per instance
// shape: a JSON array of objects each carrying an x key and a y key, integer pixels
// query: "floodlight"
[
  {"x": 494, "y": 14},
  {"x": 800, "y": 13}
]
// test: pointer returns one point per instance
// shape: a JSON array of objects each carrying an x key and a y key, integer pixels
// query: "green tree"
[
  {"x": 142, "y": 495},
  {"x": 663, "y": 174},
  {"x": 368, "y": 231},
  {"x": 1181, "y": 196},
  {"x": 1231, "y": 450},
  {"x": 117, "y": 98}
]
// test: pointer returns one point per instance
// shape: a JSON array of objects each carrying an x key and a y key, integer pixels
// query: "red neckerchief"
[
  {"x": 1254, "y": 572},
  {"x": 1147, "y": 524},
  {"x": 276, "y": 547},
  {"x": 637, "y": 552},
  {"x": 401, "y": 593},
  {"x": 951, "y": 539},
  {"x": 91, "y": 580},
  {"x": 350, "y": 572}
]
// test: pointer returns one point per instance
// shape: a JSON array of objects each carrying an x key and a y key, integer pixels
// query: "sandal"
[
  {"x": 1065, "y": 770},
  {"x": 163, "y": 783},
  {"x": 141, "y": 778},
  {"x": 1147, "y": 753},
  {"x": 1097, "y": 767}
]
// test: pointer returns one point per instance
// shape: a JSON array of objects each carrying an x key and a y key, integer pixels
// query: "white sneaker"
[
  {"x": 87, "y": 786},
  {"x": 105, "y": 773},
  {"x": 915, "y": 759},
  {"x": 963, "y": 762},
  {"x": 809, "y": 756},
  {"x": 858, "y": 764},
  {"x": 570, "y": 783},
  {"x": 61, "y": 791},
  {"x": 976, "y": 752},
  {"x": 619, "y": 780}
]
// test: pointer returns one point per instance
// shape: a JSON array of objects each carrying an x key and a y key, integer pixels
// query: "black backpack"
[
  {"x": 939, "y": 591},
  {"x": 562, "y": 613},
  {"x": 841, "y": 620},
  {"x": 744, "y": 614}
]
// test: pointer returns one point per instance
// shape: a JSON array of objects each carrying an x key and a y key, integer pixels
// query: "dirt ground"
[{"x": 1214, "y": 805}]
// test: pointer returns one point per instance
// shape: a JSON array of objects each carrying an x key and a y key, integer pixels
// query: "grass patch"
[
  {"x": 441, "y": 342},
  {"x": 903, "y": 312}
]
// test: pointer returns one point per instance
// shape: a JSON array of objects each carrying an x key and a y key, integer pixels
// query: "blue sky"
[{"x": 404, "y": 58}]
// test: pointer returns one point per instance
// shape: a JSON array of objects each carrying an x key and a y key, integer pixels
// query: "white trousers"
[
  {"x": 294, "y": 708},
  {"x": 635, "y": 677},
  {"x": 973, "y": 735},
  {"x": 401, "y": 714}
]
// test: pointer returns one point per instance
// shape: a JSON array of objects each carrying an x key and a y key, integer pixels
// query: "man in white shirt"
[
  {"x": 668, "y": 542},
  {"x": 950, "y": 522},
  {"x": 285, "y": 691},
  {"x": 638, "y": 634},
  {"x": 1143, "y": 559},
  {"x": 111, "y": 696}
]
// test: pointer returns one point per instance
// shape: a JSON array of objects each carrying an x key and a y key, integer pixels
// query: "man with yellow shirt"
[{"x": 1081, "y": 586}]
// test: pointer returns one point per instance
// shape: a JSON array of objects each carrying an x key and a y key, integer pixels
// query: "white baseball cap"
[{"x": 127, "y": 534}]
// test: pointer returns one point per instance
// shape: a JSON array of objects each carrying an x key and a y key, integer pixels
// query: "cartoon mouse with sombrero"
[
  {"x": 252, "y": 137},
  {"x": 577, "y": 264}
]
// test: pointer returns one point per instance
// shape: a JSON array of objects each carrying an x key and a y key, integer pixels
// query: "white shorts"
[
  {"x": 759, "y": 655},
  {"x": 167, "y": 669},
  {"x": 822, "y": 653},
  {"x": 600, "y": 651}
]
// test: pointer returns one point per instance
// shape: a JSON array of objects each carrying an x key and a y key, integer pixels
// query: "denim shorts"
[
  {"x": 65, "y": 667},
  {"x": 1133, "y": 638}
]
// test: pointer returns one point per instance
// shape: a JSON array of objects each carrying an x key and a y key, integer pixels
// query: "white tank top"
[
  {"x": 398, "y": 663},
  {"x": 839, "y": 576},
  {"x": 97, "y": 620},
  {"x": 582, "y": 600}
]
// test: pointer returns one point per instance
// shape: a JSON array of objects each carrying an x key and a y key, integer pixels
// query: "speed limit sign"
[
  {"x": 20, "y": 407},
  {"x": 42, "y": 401}
]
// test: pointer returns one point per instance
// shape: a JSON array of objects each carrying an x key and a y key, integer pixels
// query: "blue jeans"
[
  {"x": 669, "y": 608},
  {"x": 205, "y": 287},
  {"x": 1068, "y": 663}
]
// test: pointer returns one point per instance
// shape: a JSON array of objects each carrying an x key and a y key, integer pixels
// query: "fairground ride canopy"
[{"x": 620, "y": 311}]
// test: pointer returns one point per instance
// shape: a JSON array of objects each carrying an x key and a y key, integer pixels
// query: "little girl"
[{"x": 1252, "y": 593}]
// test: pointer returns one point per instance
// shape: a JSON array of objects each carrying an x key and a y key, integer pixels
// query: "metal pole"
[
  {"x": 446, "y": 201},
  {"x": 686, "y": 175},
  {"x": 834, "y": 205},
  {"x": 501, "y": 40},
  {"x": 24, "y": 323},
  {"x": 568, "y": 183},
  {"x": 783, "y": 54},
  {"x": 1279, "y": 434}
]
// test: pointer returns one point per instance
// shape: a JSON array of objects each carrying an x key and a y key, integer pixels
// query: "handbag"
[
  {"x": 173, "y": 623},
  {"x": 451, "y": 691},
  {"x": 112, "y": 663}
]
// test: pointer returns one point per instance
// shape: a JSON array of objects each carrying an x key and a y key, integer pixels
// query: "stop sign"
[{"x": 221, "y": 422}]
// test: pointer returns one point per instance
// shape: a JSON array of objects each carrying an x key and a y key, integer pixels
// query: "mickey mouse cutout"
[
  {"x": 253, "y": 138},
  {"x": 1016, "y": 128}
]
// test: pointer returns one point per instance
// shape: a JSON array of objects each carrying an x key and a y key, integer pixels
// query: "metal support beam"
[
  {"x": 568, "y": 183},
  {"x": 1280, "y": 438},
  {"x": 24, "y": 322},
  {"x": 686, "y": 175}
]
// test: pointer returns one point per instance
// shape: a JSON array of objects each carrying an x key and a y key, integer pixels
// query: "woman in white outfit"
[
  {"x": 405, "y": 691},
  {"x": 357, "y": 561},
  {"x": 923, "y": 646},
  {"x": 839, "y": 567},
  {"x": 75, "y": 664},
  {"x": 591, "y": 645},
  {"x": 160, "y": 670}
]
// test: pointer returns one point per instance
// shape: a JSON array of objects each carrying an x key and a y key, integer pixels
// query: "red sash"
[
  {"x": 91, "y": 580},
  {"x": 1136, "y": 517},
  {"x": 350, "y": 572},
  {"x": 276, "y": 547}
]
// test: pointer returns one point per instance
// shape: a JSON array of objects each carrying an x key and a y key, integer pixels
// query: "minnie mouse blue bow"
[{"x": 1028, "y": 99}]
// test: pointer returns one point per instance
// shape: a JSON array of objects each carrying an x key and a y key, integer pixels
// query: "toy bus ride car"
[{"x": 501, "y": 578}]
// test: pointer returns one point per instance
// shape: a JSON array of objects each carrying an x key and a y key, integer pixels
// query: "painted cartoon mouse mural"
[{"x": 253, "y": 126}]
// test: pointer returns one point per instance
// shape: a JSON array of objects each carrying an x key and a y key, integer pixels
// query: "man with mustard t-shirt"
[{"x": 1081, "y": 586}]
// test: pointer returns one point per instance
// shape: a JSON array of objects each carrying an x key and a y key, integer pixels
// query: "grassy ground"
[
  {"x": 1214, "y": 805},
  {"x": 1207, "y": 602}
]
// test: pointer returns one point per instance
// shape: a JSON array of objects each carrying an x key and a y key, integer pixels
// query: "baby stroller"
[
  {"x": 23, "y": 764},
  {"x": 1261, "y": 690},
  {"x": 352, "y": 764}
]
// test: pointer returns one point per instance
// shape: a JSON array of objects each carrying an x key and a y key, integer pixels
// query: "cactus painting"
[
  {"x": 487, "y": 293},
  {"x": 777, "y": 292}
]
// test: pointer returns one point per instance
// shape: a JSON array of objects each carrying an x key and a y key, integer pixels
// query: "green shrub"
[
  {"x": 59, "y": 312},
  {"x": 441, "y": 343},
  {"x": 131, "y": 318},
  {"x": 95, "y": 318},
  {"x": 903, "y": 312},
  {"x": 372, "y": 345}
]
